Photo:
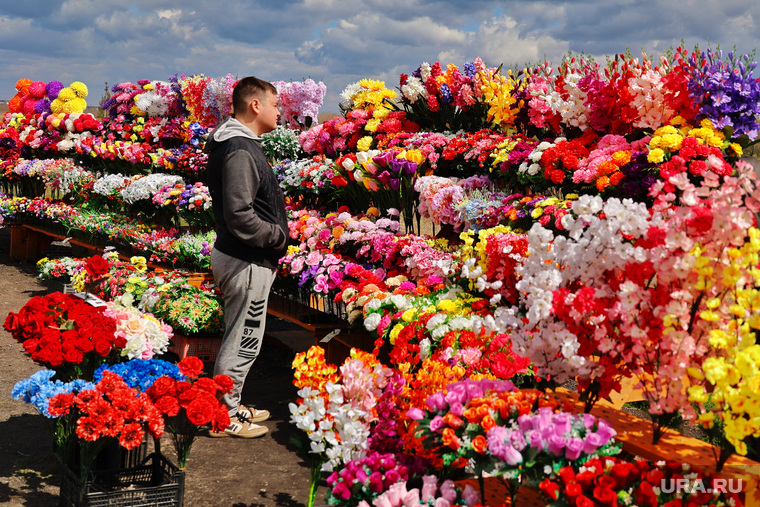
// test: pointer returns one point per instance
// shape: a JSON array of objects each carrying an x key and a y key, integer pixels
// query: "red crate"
[{"x": 205, "y": 348}]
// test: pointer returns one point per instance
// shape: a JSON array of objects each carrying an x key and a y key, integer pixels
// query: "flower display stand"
[
  {"x": 29, "y": 241},
  {"x": 324, "y": 323}
]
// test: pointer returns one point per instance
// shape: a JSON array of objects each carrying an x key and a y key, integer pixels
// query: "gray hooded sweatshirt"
[{"x": 248, "y": 204}]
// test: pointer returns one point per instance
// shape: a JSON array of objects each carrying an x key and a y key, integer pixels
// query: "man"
[{"x": 251, "y": 228}]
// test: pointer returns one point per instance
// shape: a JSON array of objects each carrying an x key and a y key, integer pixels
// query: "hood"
[{"x": 228, "y": 129}]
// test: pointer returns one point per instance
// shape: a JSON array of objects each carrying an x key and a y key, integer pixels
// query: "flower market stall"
[{"x": 517, "y": 245}]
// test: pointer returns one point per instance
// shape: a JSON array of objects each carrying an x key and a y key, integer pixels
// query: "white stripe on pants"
[{"x": 245, "y": 288}]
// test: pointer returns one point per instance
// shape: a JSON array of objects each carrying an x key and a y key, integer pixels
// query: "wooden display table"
[{"x": 29, "y": 241}]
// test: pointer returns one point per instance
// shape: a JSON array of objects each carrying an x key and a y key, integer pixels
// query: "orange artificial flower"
[
  {"x": 450, "y": 439},
  {"x": 479, "y": 444}
]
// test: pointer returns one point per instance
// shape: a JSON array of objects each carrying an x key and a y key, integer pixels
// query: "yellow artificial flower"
[
  {"x": 372, "y": 125},
  {"x": 364, "y": 144},
  {"x": 395, "y": 332},
  {"x": 410, "y": 315},
  {"x": 656, "y": 156}
]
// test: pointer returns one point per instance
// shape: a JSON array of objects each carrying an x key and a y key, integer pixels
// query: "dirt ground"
[{"x": 263, "y": 472}]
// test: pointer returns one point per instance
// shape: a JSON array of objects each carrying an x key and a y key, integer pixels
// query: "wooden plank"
[
  {"x": 18, "y": 242},
  {"x": 496, "y": 493}
]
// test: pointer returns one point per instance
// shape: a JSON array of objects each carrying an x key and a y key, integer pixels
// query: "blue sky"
[{"x": 339, "y": 42}]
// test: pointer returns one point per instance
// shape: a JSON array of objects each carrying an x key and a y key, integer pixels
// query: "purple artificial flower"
[
  {"x": 557, "y": 444},
  {"x": 592, "y": 442},
  {"x": 534, "y": 440},
  {"x": 574, "y": 448},
  {"x": 517, "y": 440},
  {"x": 436, "y": 423},
  {"x": 605, "y": 431}
]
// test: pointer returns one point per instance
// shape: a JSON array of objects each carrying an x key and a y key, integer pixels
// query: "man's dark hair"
[{"x": 247, "y": 89}]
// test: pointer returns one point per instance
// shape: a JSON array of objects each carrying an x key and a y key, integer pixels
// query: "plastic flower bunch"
[
  {"x": 300, "y": 102},
  {"x": 438, "y": 419},
  {"x": 337, "y": 418},
  {"x": 564, "y": 95},
  {"x": 156, "y": 99},
  {"x": 60, "y": 269},
  {"x": 365, "y": 479},
  {"x": 281, "y": 145},
  {"x": 217, "y": 99},
  {"x": 564, "y": 158},
  {"x": 561, "y": 344},
  {"x": 112, "y": 410},
  {"x": 312, "y": 370},
  {"x": 607, "y": 480},
  {"x": 678, "y": 148},
  {"x": 431, "y": 493},
  {"x": 500, "y": 430},
  {"x": 726, "y": 91},
  {"x": 318, "y": 271},
  {"x": 490, "y": 264},
  {"x": 145, "y": 187},
  {"x": 193, "y": 89},
  {"x": 306, "y": 176},
  {"x": 121, "y": 100},
  {"x": 140, "y": 374},
  {"x": 145, "y": 335},
  {"x": 338, "y": 135},
  {"x": 64, "y": 333},
  {"x": 724, "y": 385},
  {"x": 605, "y": 166},
  {"x": 459, "y": 203},
  {"x": 38, "y": 389},
  {"x": 414, "y": 319},
  {"x": 71, "y": 99},
  {"x": 430, "y": 144},
  {"x": 189, "y": 309},
  {"x": 190, "y": 404},
  {"x": 191, "y": 249}
]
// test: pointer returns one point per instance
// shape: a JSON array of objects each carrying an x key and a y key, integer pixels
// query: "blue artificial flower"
[
  {"x": 38, "y": 389},
  {"x": 446, "y": 94},
  {"x": 469, "y": 69},
  {"x": 141, "y": 373}
]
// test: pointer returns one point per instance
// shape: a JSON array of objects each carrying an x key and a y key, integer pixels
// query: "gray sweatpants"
[{"x": 245, "y": 288}]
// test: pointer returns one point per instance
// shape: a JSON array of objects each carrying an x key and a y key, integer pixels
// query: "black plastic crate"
[{"x": 156, "y": 482}]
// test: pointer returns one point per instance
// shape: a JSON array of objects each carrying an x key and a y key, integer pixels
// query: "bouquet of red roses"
[
  {"x": 112, "y": 411},
  {"x": 613, "y": 481},
  {"x": 64, "y": 333},
  {"x": 191, "y": 404}
]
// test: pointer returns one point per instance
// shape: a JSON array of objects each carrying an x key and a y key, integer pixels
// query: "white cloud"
[{"x": 341, "y": 42}]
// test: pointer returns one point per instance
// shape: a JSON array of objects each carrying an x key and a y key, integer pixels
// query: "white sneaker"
[{"x": 241, "y": 429}]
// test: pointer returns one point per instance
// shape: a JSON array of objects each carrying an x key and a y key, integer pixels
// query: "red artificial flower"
[
  {"x": 162, "y": 386},
  {"x": 201, "y": 410},
  {"x": 88, "y": 429},
  {"x": 549, "y": 488},
  {"x": 224, "y": 382},
  {"x": 131, "y": 435},
  {"x": 167, "y": 405},
  {"x": 221, "y": 418},
  {"x": 206, "y": 384},
  {"x": 605, "y": 495},
  {"x": 191, "y": 366},
  {"x": 60, "y": 404},
  {"x": 97, "y": 266}
]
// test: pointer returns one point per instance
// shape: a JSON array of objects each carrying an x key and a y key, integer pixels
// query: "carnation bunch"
[{"x": 190, "y": 403}]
